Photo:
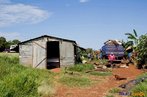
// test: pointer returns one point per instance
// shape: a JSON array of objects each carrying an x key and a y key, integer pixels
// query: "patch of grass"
[
  {"x": 19, "y": 81},
  {"x": 75, "y": 81},
  {"x": 140, "y": 89},
  {"x": 114, "y": 90},
  {"x": 81, "y": 67},
  {"x": 96, "y": 73},
  {"x": 143, "y": 75},
  {"x": 109, "y": 96}
]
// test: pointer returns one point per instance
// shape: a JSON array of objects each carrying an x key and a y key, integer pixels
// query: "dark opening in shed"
[{"x": 53, "y": 56}]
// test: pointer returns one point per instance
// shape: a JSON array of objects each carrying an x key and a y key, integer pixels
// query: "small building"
[{"x": 47, "y": 52}]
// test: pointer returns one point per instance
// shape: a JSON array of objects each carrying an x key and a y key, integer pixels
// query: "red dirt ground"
[
  {"x": 101, "y": 88},
  {"x": 56, "y": 70}
]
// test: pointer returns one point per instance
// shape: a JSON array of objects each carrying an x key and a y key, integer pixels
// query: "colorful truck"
[{"x": 113, "y": 46}]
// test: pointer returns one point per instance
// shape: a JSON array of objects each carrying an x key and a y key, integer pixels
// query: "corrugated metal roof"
[{"x": 48, "y": 37}]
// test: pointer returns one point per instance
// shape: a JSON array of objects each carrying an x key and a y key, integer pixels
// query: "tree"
[
  {"x": 89, "y": 50},
  {"x": 127, "y": 44},
  {"x": 142, "y": 50},
  {"x": 8, "y": 44},
  {"x": 2, "y": 43},
  {"x": 133, "y": 37},
  {"x": 15, "y": 41}
]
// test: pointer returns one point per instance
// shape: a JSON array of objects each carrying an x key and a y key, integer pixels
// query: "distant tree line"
[{"x": 4, "y": 44}]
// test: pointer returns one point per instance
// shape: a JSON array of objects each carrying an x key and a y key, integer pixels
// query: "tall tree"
[
  {"x": 15, "y": 41},
  {"x": 8, "y": 44}
]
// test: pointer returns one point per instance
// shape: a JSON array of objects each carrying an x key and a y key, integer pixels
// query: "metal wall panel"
[
  {"x": 39, "y": 53},
  {"x": 66, "y": 54},
  {"x": 25, "y": 54}
]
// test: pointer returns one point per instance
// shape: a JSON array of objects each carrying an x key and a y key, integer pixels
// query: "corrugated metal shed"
[{"x": 47, "y": 52}]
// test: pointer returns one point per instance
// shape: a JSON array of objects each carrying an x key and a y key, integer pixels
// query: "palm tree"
[
  {"x": 133, "y": 37},
  {"x": 133, "y": 42}
]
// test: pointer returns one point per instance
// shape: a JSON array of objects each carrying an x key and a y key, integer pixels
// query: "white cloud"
[
  {"x": 4, "y": 1},
  {"x": 10, "y": 35},
  {"x": 20, "y": 13},
  {"x": 83, "y": 1}
]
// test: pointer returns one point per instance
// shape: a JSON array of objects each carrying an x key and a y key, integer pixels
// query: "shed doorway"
[{"x": 53, "y": 55}]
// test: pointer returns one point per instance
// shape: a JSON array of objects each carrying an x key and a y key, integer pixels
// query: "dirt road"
[{"x": 102, "y": 88}]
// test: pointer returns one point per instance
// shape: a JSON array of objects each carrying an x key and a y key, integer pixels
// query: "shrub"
[{"x": 142, "y": 51}]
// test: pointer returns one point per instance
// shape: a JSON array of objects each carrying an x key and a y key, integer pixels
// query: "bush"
[
  {"x": 81, "y": 67},
  {"x": 142, "y": 51}
]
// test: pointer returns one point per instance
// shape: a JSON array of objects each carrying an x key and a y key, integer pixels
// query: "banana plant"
[{"x": 133, "y": 37}]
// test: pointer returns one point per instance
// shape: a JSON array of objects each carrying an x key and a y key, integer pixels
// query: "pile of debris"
[{"x": 124, "y": 64}]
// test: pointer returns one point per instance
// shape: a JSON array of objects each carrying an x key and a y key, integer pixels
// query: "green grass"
[
  {"x": 10, "y": 54},
  {"x": 97, "y": 73},
  {"x": 19, "y": 81},
  {"x": 81, "y": 67},
  {"x": 75, "y": 81},
  {"x": 140, "y": 88},
  {"x": 109, "y": 96},
  {"x": 114, "y": 90},
  {"x": 79, "y": 78}
]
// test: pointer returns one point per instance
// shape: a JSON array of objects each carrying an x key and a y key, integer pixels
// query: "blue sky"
[{"x": 89, "y": 22}]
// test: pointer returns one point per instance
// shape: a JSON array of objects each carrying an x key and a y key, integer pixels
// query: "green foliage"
[
  {"x": 89, "y": 50},
  {"x": 96, "y": 73},
  {"x": 133, "y": 36},
  {"x": 75, "y": 81},
  {"x": 114, "y": 90},
  {"x": 23, "y": 82},
  {"x": 19, "y": 81},
  {"x": 109, "y": 96},
  {"x": 81, "y": 67},
  {"x": 140, "y": 89},
  {"x": 4, "y": 44},
  {"x": 142, "y": 49},
  {"x": 127, "y": 44},
  {"x": 103, "y": 61},
  {"x": 15, "y": 41}
]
